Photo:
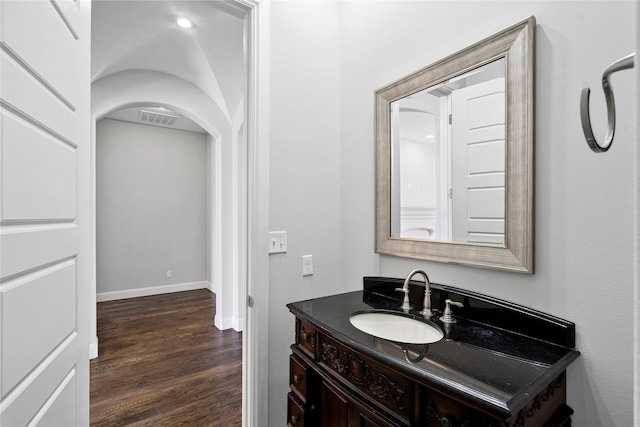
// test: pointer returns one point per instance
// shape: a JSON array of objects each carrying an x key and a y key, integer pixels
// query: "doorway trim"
[{"x": 255, "y": 337}]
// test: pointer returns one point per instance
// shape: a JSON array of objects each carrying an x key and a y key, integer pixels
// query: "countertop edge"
[{"x": 516, "y": 404}]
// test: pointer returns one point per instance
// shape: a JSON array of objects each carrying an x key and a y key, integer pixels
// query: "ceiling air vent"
[{"x": 157, "y": 118}]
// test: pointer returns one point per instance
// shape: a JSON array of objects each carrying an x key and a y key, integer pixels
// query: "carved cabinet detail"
[
  {"x": 305, "y": 338},
  {"x": 382, "y": 385}
]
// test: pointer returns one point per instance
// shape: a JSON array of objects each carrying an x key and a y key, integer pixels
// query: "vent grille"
[{"x": 157, "y": 118}]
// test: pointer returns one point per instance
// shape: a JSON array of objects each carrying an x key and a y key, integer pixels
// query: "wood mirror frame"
[{"x": 516, "y": 45}]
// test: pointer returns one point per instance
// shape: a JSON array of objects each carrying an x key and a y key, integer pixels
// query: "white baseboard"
[
  {"x": 213, "y": 287},
  {"x": 223, "y": 323},
  {"x": 238, "y": 325},
  {"x": 230, "y": 322},
  {"x": 151, "y": 290},
  {"x": 210, "y": 287},
  {"x": 93, "y": 348}
]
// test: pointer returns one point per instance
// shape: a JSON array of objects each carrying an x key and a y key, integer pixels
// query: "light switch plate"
[{"x": 277, "y": 242}]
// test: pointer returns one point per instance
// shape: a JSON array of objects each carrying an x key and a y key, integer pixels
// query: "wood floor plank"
[{"x": 163, "y": 363}]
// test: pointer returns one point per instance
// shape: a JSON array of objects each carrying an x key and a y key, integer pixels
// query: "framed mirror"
[{"x": 454, "y": 157}]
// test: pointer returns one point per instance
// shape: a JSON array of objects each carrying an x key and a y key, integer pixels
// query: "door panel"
[
  {"x": 41, "y": 385},
  {"x": 54, "y": 52},
  {"x": 26, "y": 340},
  {"x": 44, "y": 130},
  {"x": 486, "y": 157},
  {"x": 486, "y": 105},
  {"x": 478, "y": 134},
  {"x": 24, "y": 247},
  {"x": 24, "y": 96},
  {"x": 55, "y": 411},
  {"x": 38, "y": 164},
  {"x": 486, "y": 203}
]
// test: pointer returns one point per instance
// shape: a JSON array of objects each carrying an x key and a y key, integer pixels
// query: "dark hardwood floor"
[{"x": 163, "y": 363}]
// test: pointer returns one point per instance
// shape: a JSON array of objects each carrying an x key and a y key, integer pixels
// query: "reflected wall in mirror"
[{"x": 454, "y": 157}]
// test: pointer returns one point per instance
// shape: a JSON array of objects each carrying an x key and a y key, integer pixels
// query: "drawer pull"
[
  {"x": 294, "y": 421},
  {"x": 432, "y": 414},
  {"x": 297, "y": 378}
]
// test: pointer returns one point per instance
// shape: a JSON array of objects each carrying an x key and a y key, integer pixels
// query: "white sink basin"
[{"x": 396, "y": 327}]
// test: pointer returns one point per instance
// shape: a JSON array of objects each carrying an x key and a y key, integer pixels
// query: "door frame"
[
  {"x": 255, "y": 336},
  {"x": 255, "y": 339}
]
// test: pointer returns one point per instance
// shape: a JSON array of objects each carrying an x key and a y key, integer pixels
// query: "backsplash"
[{"x": 481, "y": 309}]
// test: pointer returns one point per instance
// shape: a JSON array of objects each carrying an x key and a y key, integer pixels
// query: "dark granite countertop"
[{"x": 500, "y": 360}]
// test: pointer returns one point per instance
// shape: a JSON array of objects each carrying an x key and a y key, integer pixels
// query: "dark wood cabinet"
[
  {"x": 438, "y": 410},
  {"x": 296, "y": 412},
  {"x": 362, "y": 416},
  {"x": 333, "y": 385},
  {"x": 304, "y": 395},
  {"x": 339, "y": 410},
  {"x": 335, "y": 407}
]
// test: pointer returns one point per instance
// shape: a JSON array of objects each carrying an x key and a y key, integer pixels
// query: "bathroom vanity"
[{"x": 499, "y": 364}]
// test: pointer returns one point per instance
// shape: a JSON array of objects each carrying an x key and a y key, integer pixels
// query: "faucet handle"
[
  {"x": 406, "y": 291},
  {"x": 447, "y": 316}
]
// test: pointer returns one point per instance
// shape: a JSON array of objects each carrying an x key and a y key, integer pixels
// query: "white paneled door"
[
  {"x": 478, "y": 120},
  {"x": 44, "y": 181}
]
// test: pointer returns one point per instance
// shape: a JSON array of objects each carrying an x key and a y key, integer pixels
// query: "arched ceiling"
[{"x": 143, "y": 35}]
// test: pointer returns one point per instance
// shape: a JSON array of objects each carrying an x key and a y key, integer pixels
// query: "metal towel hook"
[{"x": 621, "y": 64}]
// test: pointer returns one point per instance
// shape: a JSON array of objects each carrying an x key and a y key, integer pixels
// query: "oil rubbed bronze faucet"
[{"x": 426, "y": 309}]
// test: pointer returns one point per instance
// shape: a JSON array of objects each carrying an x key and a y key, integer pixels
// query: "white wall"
[
  {"x": 304, "y": 178},
  {"x": 151, "y": 209},
  {"x": 584, "y": 201},
  {"x": 321, "y": 141}
]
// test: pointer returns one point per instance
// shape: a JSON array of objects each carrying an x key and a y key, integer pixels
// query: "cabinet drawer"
[
  {"x": 306, "y": 338},
  {"x": 368, "y": 378},
  {"x": 295, "y": 412},
  {"x": 298, "y": 377},
  {"x": 439, "y": 410},
  {"x": 364, "y": 417}
]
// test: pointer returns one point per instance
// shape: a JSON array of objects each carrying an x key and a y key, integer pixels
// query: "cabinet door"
[
  {"x": 363, "y": 417},
  {"x": 339, "y": 411},
  {"x": 335, "y": 407}
]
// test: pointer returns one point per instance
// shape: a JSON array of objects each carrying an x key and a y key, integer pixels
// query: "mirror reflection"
[{"x": 448, "y": 159}]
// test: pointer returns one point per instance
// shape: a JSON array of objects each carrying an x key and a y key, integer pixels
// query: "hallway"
[{"x": 163, "y": 363}]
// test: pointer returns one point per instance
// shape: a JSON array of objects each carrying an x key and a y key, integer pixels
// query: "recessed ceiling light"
[{"x": 184, "y": 22}]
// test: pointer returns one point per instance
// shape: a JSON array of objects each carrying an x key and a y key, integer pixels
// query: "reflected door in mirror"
[{"x": 448, "y": 159}]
